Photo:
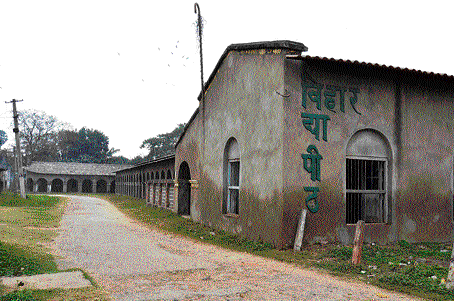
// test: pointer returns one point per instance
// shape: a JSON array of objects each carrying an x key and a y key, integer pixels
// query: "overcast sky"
[{"x": 131, "y": 68}]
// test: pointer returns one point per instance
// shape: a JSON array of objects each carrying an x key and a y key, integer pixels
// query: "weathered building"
[
  {"x": 152, "y": 181},
  {"x": 277, "y": 131},
  {"x": 71, "y": 177}
]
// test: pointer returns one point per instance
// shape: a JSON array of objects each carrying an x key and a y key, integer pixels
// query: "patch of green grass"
[
  {"x": 26, "y": 227},
  {"x": 9, "y": 199},
  {"x": 174, "y": 223},
  {"x": 416, "y": 269},
  {"x": 18, "y": 296},
  {"x": 15, "y": 261}
]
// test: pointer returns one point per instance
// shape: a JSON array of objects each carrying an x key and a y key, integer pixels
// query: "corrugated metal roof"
[
  {"x": 150, "y": 162},
  {"x": 371, "y": 65},
  {"x": 71, "y": 168},
  {"x": 301, "y": 47}
]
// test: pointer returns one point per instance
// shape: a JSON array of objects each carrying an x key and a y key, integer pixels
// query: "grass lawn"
[
  {"x": 416, "y": 269},
  {"x": 27, "y": 227}
]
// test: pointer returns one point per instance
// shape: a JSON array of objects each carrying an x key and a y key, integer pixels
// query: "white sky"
[{"x": 108, "y": 65}]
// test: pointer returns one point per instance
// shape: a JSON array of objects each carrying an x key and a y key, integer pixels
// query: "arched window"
[
  {"x": 367, "y": 177},
  {"x": 231, "y": 177}
]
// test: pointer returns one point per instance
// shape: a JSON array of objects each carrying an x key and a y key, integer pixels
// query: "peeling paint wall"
[
  {"x": 416, "y": 120},
  {"x": 256, "y": 97},
  {"x": 241, "y": 102}
]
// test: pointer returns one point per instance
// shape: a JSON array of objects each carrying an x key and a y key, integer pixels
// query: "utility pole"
[
  {"x": 19, "y": 167},
  {"x": 199, "y": 25}
]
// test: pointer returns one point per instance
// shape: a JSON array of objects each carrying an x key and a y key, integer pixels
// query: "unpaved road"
[{"x": 133, "y": 262}]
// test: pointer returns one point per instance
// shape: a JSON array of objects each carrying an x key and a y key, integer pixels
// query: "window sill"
[
  {"x": 231, "y": 215},
  {"x": 383, "y": 223}
]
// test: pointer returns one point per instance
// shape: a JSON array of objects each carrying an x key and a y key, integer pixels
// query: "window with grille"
[{"x": 365, "y": 190}]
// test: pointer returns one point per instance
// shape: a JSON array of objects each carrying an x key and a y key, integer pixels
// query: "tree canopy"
[
  {"x": 163, "y": 144},
  {"x": 44, "y": 138},
  {"x": 38, "y": 135},
  {"x": 3, "y": 138},
  {"x": 85, "y": 146}
]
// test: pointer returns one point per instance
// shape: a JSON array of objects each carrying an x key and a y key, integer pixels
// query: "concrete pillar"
[
  {"x": 93, "y": 186},
  {"x": 35, "y": 187},
  {"x": 49, "y": 187},
  {"x": 79, "y": 186}
]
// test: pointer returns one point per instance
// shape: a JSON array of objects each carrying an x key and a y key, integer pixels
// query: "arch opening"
[
  {"x": 29, "y": 184},
  {"x": 56, "y": 185},
  {"x": 87, "y": 186},
  {"x": 72, "y": 185},
  {"x": 101, "y": 186},
  {"x": 42, "y": 185},
  {"x": 184, "y": 189},
  {"x": 367, "y": 177}
]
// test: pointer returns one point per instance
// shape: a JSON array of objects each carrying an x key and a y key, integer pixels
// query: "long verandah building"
[
  {"x": 152, "y": 181},
  {"x": 48, "y": 177}
]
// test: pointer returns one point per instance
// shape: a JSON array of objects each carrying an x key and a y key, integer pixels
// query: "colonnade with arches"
[
  {"x": 152, "y": 181},
  {"x": 82, "y": 184}
]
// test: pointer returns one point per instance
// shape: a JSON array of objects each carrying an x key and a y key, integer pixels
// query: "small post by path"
[
  {"x": 450, "y": 279},
  {"x": 300, "y": 231},
  {"x": 358, "y": 242}
]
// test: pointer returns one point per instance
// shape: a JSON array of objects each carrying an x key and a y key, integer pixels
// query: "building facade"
[
  {"x": 277, "y": 132},
  {"x": 48, "y": 177}
]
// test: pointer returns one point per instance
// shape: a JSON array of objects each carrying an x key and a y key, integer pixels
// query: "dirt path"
[{"x": 133, "y": 262}]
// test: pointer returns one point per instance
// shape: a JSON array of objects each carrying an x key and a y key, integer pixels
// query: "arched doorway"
[
  {"x": 87, "y": 186},
  {"x": 101, "y": 186},
  {"x": 184, "y": 189},
  {"x": 72, "y": 186},
  {"x": 42, "y": 185},
  {"x": 112, "y": 187},
  {"x": 56, "y": 185}
]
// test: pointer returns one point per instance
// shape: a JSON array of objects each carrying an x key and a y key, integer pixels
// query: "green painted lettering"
[
  {"x": 314, "y": 93},
  {"x": 312, "y": 123},
  {"x": 354, "y": 98},
  {"x": 311, "y": 200},
  {"x": 312, "y": 162},
  {"x": 330, "y": 98}
]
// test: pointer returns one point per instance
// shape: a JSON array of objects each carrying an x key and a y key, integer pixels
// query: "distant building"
[{"x": 71, "y": 177}]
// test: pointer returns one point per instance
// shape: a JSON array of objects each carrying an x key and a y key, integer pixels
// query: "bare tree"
[{"x": 38, "y": 134}]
